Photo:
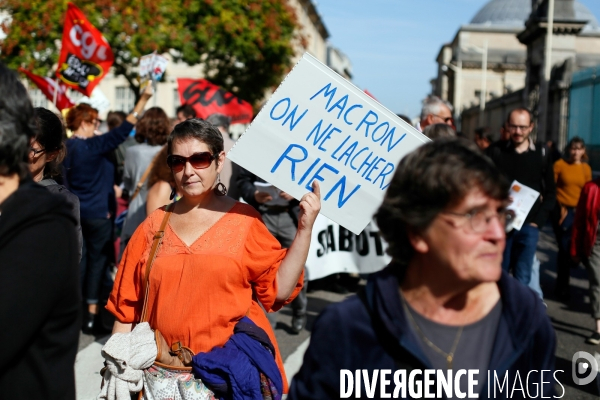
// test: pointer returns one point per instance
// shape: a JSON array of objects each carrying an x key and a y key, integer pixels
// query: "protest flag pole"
[
  {"x": 55, "y": 93},
  {"x": 154, "y": 83},
  {"x": 154, "y": 86}
]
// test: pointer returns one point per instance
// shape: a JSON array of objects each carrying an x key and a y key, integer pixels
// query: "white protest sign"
[
  {"x": 334, "y": 249},
  {"x": 146, "y": 65},
  {"x": 98, "y": 100},
  {"x": 159, "y": 66},
  {"x": 318, "y": 126},
  {"x": 523, "y": 200},
  {"x": 152, "y": 67}
]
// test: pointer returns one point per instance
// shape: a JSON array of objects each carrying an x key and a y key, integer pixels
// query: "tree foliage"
[{"x": 244, "y": 46}]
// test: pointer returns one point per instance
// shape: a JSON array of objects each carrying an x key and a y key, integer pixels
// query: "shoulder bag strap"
[
  {"x": 142, "y": 180},
  {"x": 155, "y": 245}
]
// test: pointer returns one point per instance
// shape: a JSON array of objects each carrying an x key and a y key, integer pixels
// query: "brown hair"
[
  {"x": 153, "y": 128},
  {"x": 200, "y": 130},
  {"x": 576, "y": 140},
  {"x": 160, "y": 170},
  {"x": 114, "y": 119},
  {"x": 434, "y": 176},
  {"x": 519, "y": 110},
  {"x": 187, "y": 111},
  {"x": 78, "y": 114},
  {"x": 51, "y": 136}
]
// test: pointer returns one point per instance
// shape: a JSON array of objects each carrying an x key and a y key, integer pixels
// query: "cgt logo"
[{"x": 584, "y": 363}]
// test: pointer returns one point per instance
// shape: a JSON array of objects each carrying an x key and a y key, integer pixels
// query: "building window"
[
  {"x": 38, "y": 99},
  {"x": 176, "y": 101},
  {"x": 125, "y": 99}
]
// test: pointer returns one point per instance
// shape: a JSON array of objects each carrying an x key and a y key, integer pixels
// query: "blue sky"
[{"x": 392, "y": 44}]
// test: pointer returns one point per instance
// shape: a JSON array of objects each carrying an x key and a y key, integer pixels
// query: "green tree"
[{"x": 245, "y": 46}]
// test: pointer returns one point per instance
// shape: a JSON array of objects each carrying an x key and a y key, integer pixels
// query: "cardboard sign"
[
  {"x": 208, "y": 98},
  {"x": 334, "y": 249},
  {"x": 318, "y": 126},
  {"x": 85, "y": 56},
  {"x": 47, "y": 86}
]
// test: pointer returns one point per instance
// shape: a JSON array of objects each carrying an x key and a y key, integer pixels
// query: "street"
[
  {"x": 571, "y": 322},
  {"x": 292, "y": 347}
]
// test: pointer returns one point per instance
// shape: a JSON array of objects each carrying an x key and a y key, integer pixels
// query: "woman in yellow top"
[{"x": 571, "y": 174}]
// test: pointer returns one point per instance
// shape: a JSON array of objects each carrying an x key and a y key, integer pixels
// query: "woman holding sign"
[
  {"x": 217, "y": 263},
  {"x": 89, "y": 174}
]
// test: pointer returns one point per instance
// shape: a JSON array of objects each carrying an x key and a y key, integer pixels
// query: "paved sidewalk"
[{"x": 571, "y": 320}]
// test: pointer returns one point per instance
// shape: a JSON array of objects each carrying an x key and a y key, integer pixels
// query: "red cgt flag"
[
  {"x": 85, "y": 57},
  {"x": 47, "y": 86},
  {"x": 208, "y": 98}
]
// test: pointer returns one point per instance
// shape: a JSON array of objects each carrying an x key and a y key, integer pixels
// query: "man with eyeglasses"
[
  {"x": 521, "y": 159},
  {"x": 281, "y": 220},
  {"x": 436, "y": 111}
]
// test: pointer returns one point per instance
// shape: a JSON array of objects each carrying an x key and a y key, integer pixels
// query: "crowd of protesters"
[{"x": 159, "y": 199}]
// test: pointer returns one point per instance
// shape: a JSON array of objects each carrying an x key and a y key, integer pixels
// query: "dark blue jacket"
[
  {"x": 233, "y": 371},
  {"x": 345, "y": 336},
  {"x": 89, "y": 170}
]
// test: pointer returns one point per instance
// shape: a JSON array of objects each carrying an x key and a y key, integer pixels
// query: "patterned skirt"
[{"x": 172, "y": 384}]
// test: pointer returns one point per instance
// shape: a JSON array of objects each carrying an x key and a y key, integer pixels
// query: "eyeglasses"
[
  {"x": 480, "y": 221},
  {"x": 445, "y": 119},
  {"x": 197, "y": 160},
  {"x": 514, "y": 128},
  {"x": 34, "y": 152}
]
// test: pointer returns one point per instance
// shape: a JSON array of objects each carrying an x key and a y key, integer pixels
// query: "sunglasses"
[
  {"x": 197, "y": 160},
  {"x": 34, "y": 152},
  {"x": 446, "y": 119}
]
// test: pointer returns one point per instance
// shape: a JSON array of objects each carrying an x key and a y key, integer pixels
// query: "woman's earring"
[
  {"x": 220, "y": 189},
  {"x": 173, "y": 193}
]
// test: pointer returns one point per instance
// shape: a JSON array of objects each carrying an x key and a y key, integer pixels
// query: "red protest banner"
[
  {"x": 85, "y": 57},
  {"x": 369, "y": 94},
  {"x": 208, "y": 98},
  {"x": 47, "y": 87}
]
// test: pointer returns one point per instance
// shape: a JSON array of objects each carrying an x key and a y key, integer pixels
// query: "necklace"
[{"x": 448, "y": 356}]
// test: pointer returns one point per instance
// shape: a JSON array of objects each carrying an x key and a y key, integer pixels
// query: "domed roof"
[{"x": 514, "y": 13}]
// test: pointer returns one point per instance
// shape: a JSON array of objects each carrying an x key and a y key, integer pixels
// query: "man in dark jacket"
[
  {"x": 282, "y": 221},
  {"x": 443, "y": 310},
  {"x": 39, "y": 274},
  {"x": 527, "y": 162}
]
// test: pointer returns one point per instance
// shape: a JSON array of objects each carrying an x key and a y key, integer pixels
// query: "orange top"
[
  {"x": 570, "y": 179},
  {"x": 198, "y": 293}
]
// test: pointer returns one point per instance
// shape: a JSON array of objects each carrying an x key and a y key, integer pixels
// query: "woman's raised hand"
[
  {"x": 310, "y": 205},
  {"x": 147, "y": 92}
]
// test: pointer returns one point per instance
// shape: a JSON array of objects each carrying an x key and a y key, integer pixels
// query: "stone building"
[{"x": 508, "y": 37}]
